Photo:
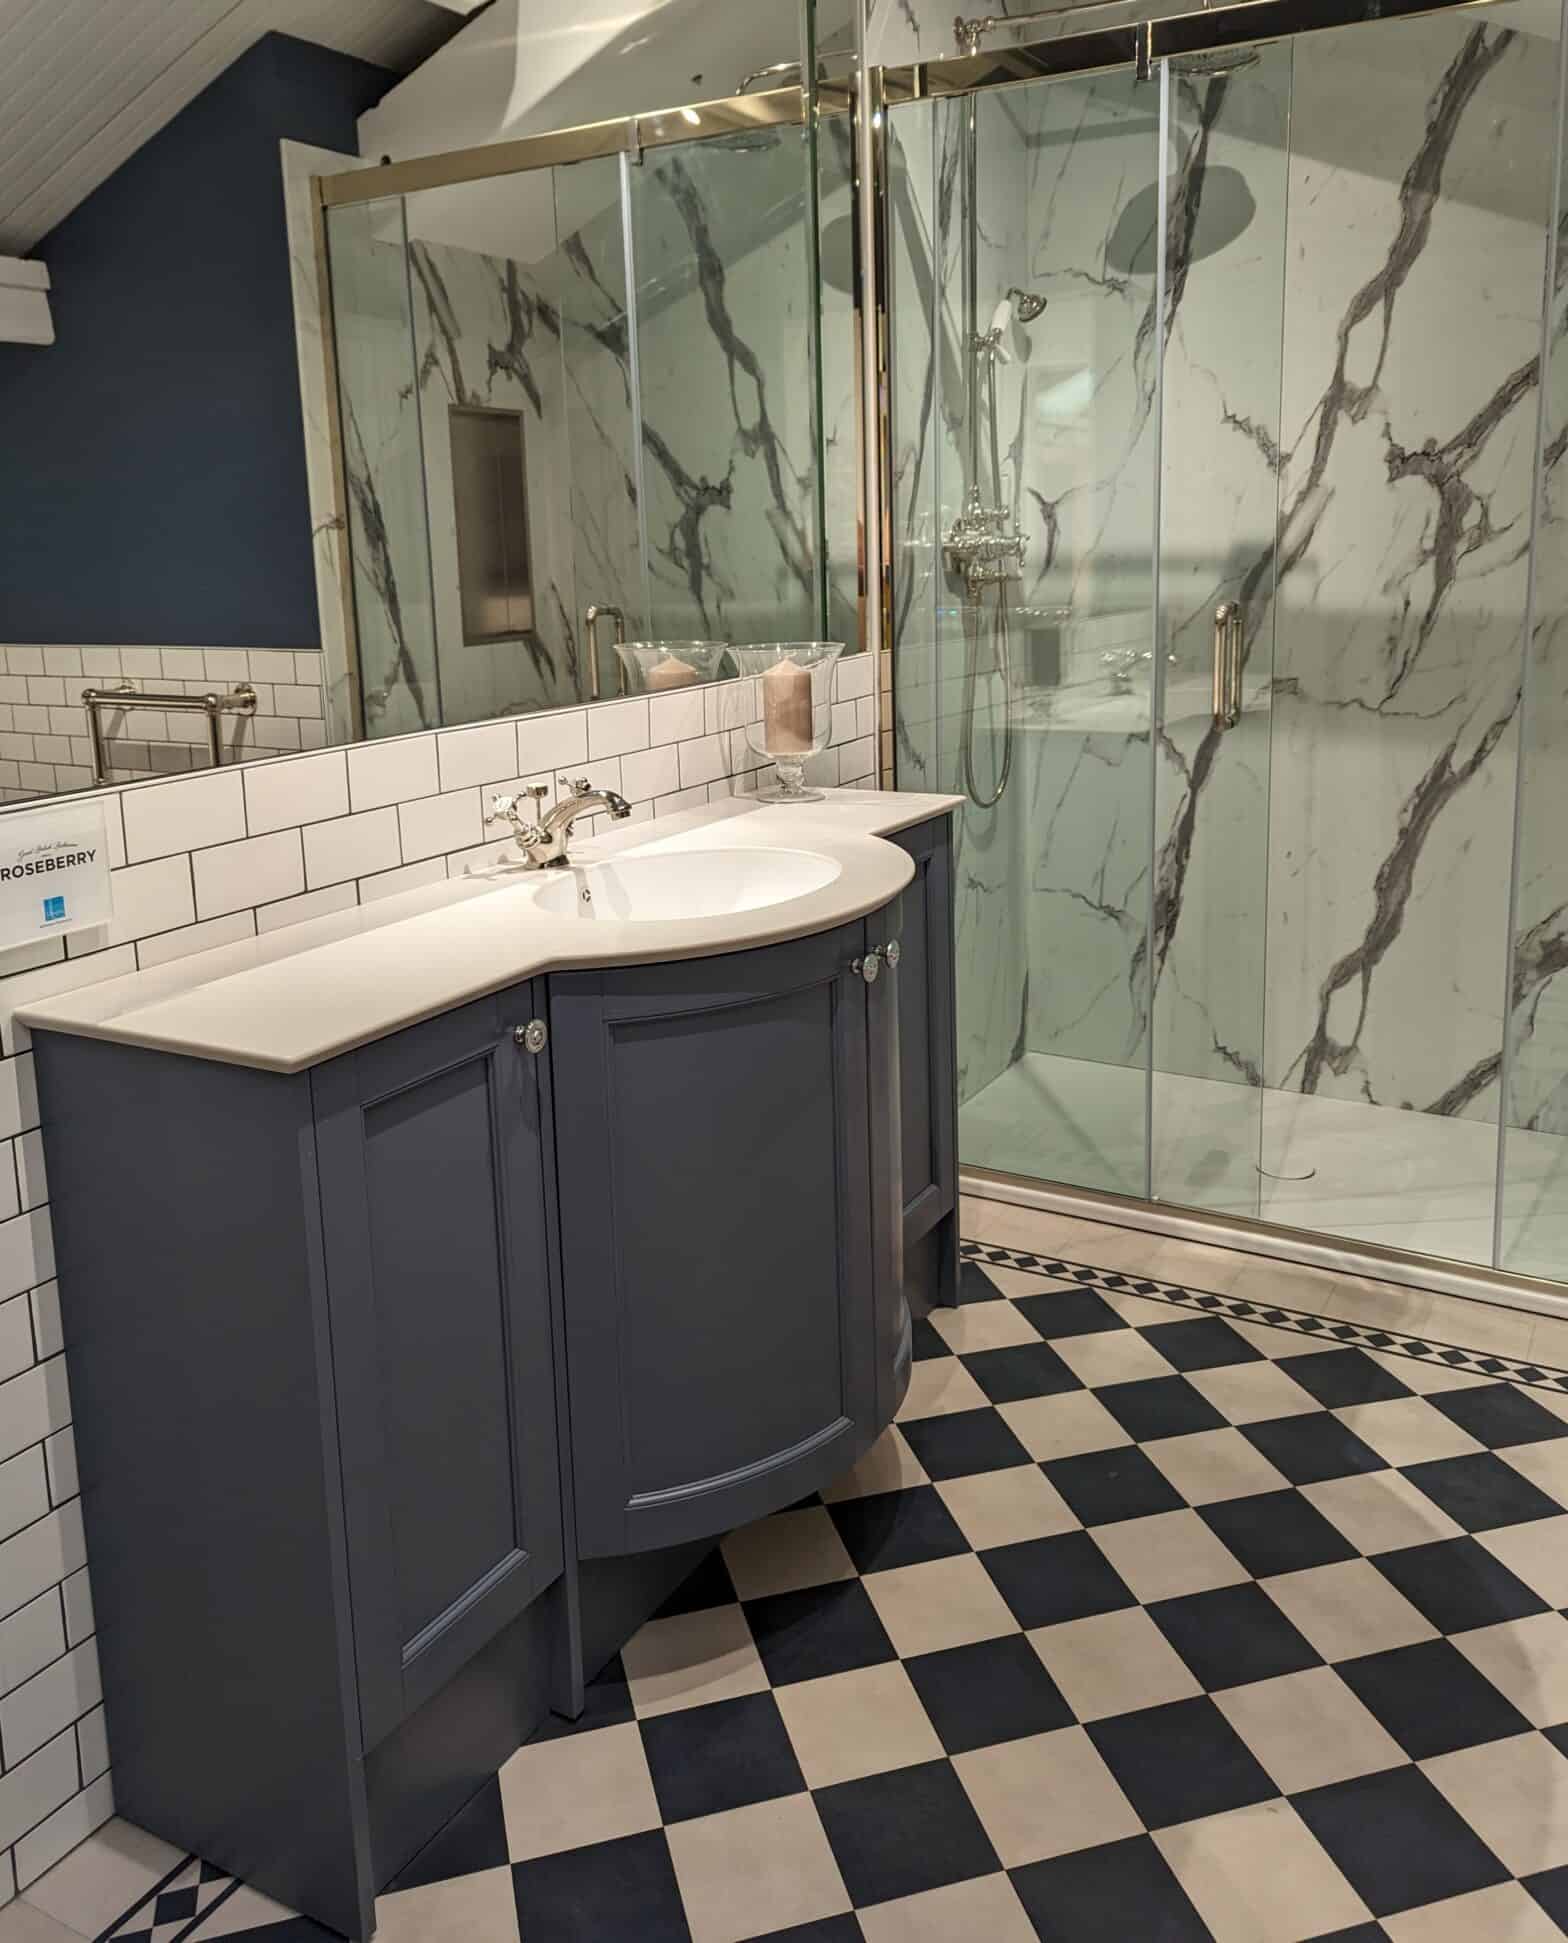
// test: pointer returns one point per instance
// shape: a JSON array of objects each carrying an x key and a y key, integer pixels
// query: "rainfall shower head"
[{"x": 1219, "y": 60}]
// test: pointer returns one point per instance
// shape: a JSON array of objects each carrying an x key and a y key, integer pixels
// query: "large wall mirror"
[
  {"x": 575, "y": 397},
  {"x": 580, "y": 411}
]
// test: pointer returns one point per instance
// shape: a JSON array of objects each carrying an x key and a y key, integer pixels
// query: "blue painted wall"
[{"x": 152, "y": 460}]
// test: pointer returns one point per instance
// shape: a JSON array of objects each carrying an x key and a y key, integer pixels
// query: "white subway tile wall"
[
  {"x": 45, "y": 746},
  {"x": 202, "y": 861}
]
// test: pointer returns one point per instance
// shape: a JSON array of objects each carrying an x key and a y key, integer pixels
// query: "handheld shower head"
[{"x": 1028, "y": 304}]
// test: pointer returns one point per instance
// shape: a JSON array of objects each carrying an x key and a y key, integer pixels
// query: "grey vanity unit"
[{"x": 406, "y": 1386}]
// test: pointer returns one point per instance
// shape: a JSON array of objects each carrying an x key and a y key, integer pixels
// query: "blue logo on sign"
[{"x": 54, "y": 909}]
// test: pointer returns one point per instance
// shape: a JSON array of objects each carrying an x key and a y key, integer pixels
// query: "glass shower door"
[
  {"x": 1026, "y": 447},
  {"x": 1087, "y": 279},
  {"x": 1226, "y": 159}
]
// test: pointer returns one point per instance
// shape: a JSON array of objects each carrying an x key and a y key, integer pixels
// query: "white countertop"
[{"x": 306, "y": 993}]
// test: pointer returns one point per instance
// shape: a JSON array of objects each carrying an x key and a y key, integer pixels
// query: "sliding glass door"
[{"x": 1227, "y": 591}]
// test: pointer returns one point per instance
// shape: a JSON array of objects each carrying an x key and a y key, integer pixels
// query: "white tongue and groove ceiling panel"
[{"x": 83, "y": 83}]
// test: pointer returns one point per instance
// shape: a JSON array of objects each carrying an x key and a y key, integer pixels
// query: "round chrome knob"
[
  {"x": 533, "y": 1037},
  {"x": 892, "y": 951}
]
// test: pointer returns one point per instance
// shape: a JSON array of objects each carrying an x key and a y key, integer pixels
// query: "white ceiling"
[{"x": 83, "y": 83}]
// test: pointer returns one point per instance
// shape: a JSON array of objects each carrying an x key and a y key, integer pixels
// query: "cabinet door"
[
  {"x": 716, "y": 1236},
  {"x": 927, "y": 1077},
  {"x": 435, "y": 1219}
]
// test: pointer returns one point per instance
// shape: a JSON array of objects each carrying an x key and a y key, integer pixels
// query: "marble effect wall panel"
[
  {"x": 383, "y": 467},
  {"x": 724, "y": 307},
  {"x": 1411, "y": 353},
  {"x": 487, "y": 332},
  {"x": 1219, "y": 462}
]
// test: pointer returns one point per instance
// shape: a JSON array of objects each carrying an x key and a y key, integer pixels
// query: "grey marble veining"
[
  {"x": 1410, "y": 403},
  {"x": 723, "y": 313}
]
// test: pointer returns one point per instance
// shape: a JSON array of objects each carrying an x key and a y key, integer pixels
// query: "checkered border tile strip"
[
  {"x": 1501, "y": 1369},
  {"x": 172, "y": 1908}
]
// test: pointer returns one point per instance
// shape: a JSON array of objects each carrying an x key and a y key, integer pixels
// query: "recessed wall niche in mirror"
[{"x": 586, "y": 387}]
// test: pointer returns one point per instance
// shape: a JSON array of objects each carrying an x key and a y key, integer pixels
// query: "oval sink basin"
[{"x": 684, "y": 884}]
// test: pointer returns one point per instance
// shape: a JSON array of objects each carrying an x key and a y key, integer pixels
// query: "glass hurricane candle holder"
[
  {"x": 794, "y": 710},
  {"x": 651, "y": 667}
]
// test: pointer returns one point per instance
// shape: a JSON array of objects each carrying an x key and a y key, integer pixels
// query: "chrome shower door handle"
[
  {"x": 1229, "y": 640},
  {"x": 592, "y": 616}
]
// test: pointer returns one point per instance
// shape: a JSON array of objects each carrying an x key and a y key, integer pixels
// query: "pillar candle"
[
  {"x": 670, "y": 673},
  {"x": 786, "y": 709}
]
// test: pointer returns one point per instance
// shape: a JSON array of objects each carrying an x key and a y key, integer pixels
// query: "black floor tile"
[
  {"x": 1276, "y": 1531},
  {"x": 1458, "y": 1585},
  {"x": 1179, "y": 1762},
  {"x": 1431, "y": 1699},
  {"x": 1102, "y": 1487},
  {"x": 1338, "y": 1377},
  {"x": 1047, "y": 1580},
  {"x": 474, "y": 1839},
  {"x": 1026, "y": 1370},
  {"x": 1117, "y": 1893},
  {"x": 1481, "y": 1492},
  {"x": 1233, "y": 1635},
  {"x": 1311, "y": 1448},
  {"x": 899, "y": 1833},
  {"x": 1396, "y": 1840},
  {"x": 1068, "y": 1312},
  {"x": 998, "y": 1690},
  {"x": 1558, "y": 1736},
  {"x": 1160, "y": 1406},
  {"x": 824, "y": 1629},
  {"x": 1207, "y": 1344},
  {"x": 962, "y": 1443},
  {"x": 1499, "y": 1414},
  {"x": 974, "y": 1285},
  {"x": 1360, "y": 1933},
  {"x": 709, "y": 1585},
  {"x": 607, "y": 1702},
  {"x": 1550, "y": 1890},
  {"x": 925, "y": 1343},
  {"x": 728, "y": 1754},
  {"x": 897, "y": 1528},
  {"x": 621, "y": 1888}
]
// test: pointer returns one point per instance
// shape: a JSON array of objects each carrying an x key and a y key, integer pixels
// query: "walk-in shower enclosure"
[{"x": 1280, "y": 430}]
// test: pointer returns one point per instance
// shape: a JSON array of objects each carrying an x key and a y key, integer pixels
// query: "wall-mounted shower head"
[{"x": 1219, "y": 60}]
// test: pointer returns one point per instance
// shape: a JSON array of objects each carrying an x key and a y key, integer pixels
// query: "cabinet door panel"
[
  {"x": 926, "y": 1060},
  {"x": 716, "y": 1236},
  {"x": 440, "y": 1337},
  {"x": 434, "y": 1213}
]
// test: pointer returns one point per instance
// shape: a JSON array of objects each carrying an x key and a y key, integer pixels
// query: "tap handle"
[
  {"x": 578, "y": 785},
  {"x": 502, "y": 809}
]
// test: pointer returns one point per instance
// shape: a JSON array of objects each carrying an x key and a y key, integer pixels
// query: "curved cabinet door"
[
  {"x": 716, "y": 1163},
  {"x": 434, "y": 1213}
]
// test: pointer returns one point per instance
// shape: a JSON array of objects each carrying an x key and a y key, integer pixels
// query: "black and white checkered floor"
[{"x": 1157, "y": 1616}]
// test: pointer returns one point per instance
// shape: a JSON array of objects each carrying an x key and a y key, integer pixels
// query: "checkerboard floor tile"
[{"x": 1159, "y": 1613}]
